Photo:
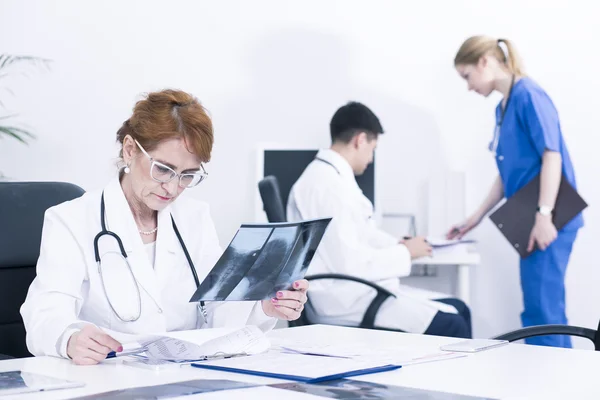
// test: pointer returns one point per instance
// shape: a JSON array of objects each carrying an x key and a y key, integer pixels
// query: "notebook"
[{"x": 18, "y": 382}]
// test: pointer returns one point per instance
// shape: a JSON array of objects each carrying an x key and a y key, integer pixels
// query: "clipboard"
[
  {"x": 299, "y": 367},
  {"x": 303, "y": 379},
  {"x": 516, "y": 217}
]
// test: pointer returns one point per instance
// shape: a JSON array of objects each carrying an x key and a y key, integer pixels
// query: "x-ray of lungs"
[{"x": 262, "y": 259}]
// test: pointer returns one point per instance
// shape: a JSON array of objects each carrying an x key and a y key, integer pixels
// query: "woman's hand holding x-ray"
[
  {"x": 288, "y": 304},
  {"x": 91, "y": 345}
]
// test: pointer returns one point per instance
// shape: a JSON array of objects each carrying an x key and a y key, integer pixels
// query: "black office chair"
[
  {"x": 368, "y": 320},
  {"x": 274, "y": 208},
  {"x": 271, "y": 198},
  {"x": 545, "y": 330},
  {"x": 22, "y": 208}
]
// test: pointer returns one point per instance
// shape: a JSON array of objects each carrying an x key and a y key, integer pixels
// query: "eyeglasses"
[{"x": 163, "y": 173}]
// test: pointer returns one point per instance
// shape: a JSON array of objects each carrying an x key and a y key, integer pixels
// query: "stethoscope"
[
  {"x": 493, "y": 146},
  {"x": 123, "y": 254},
  {"x": 328, "y": 163},
  {"x": 335, "y": 168}
]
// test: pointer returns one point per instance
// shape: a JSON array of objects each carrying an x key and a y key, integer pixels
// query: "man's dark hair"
[{"x": 351, "y": 119}]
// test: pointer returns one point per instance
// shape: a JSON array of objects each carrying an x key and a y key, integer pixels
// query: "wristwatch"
[{"x": 544, "y": 210}]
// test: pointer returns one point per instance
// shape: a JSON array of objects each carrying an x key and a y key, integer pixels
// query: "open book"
[{"x": 246, "y": 341}]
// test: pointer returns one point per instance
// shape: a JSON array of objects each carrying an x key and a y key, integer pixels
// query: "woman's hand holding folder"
[{"x": 543, "y": 233}]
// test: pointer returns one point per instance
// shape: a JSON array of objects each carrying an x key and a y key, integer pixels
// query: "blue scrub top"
[{"x": 530, "y": 126}]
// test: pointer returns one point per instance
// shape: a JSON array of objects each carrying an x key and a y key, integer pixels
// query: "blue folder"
[{"x": 304, "y": 379}]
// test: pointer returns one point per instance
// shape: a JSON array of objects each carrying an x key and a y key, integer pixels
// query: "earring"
[{"x": 127, "y": 169}]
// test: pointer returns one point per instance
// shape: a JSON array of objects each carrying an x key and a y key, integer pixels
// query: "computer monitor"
[{"x": 288, "y": 164}]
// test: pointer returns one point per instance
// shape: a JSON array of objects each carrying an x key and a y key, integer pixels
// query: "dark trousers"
[{"x": 452, "y": 325}]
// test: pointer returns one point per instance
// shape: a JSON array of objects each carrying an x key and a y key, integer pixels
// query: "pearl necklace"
[{"x": 148, "y": 232}]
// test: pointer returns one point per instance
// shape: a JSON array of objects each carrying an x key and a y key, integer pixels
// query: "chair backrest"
[
  {"x": 271, "y": 198},
  {"x": 597, "y": 338},
  {"x": 22, "y": 208}
]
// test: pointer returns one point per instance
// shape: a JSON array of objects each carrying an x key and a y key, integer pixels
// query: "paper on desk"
[
  {"x": 442, "y": 246},
  {"x": 441, "y": 242},
  {"x": 248, "y": 340},
  {"x": 199, "y": 336},
  {"x": 393, "y": 355}
]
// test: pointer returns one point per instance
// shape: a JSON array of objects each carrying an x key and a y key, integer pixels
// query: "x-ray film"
[{"x": 261, "y": 260}]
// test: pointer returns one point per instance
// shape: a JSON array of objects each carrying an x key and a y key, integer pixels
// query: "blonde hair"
[{"x": 476, "y": 47}]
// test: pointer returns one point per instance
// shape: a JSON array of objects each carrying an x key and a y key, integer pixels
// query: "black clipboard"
[{"x": 516, "y": 217}]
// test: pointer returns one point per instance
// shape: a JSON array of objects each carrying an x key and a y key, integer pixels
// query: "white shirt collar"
[{"x": 339, "y": 162}]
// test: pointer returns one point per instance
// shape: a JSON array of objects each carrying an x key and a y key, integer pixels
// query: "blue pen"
[{"x": 114, "y": 354}]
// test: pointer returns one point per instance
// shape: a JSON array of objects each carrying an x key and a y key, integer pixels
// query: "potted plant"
[{"x": 7, "y": 127}]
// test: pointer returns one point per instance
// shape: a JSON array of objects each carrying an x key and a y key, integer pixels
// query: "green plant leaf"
[
  {"x": 7, "y": 60},
  {"x": 16, "y": 133}
]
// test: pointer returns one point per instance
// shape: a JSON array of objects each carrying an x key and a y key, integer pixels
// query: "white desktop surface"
[{"x": 514, "y": 371}]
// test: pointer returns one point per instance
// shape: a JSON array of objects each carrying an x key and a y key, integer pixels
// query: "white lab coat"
[
  {"x": 68, "y": 292},
  {"x": 353, "y": 245}
]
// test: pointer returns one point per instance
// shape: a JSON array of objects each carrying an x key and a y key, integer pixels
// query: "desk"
[
  {"x": 515, "y": 371},
  {"x": 462, "y": 262}
]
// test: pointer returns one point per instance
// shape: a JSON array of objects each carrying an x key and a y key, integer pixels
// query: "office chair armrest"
[
  {"x": 368, "y": 320},
  {"x": 543, "y": 330}
]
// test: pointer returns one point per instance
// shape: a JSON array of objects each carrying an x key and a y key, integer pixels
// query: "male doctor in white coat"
[
  {"x": 353, "y": 245},
  {"x": 77, "y": 308}
]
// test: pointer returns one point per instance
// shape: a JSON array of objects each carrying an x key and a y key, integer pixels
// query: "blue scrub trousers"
[{"x": 543, "y": 284}]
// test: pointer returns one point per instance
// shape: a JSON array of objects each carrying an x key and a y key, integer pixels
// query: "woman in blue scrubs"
[{"x": 527, "y": 141}]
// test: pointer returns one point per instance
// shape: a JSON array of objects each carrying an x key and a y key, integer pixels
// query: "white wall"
[{"x": 275, "y": 71}]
